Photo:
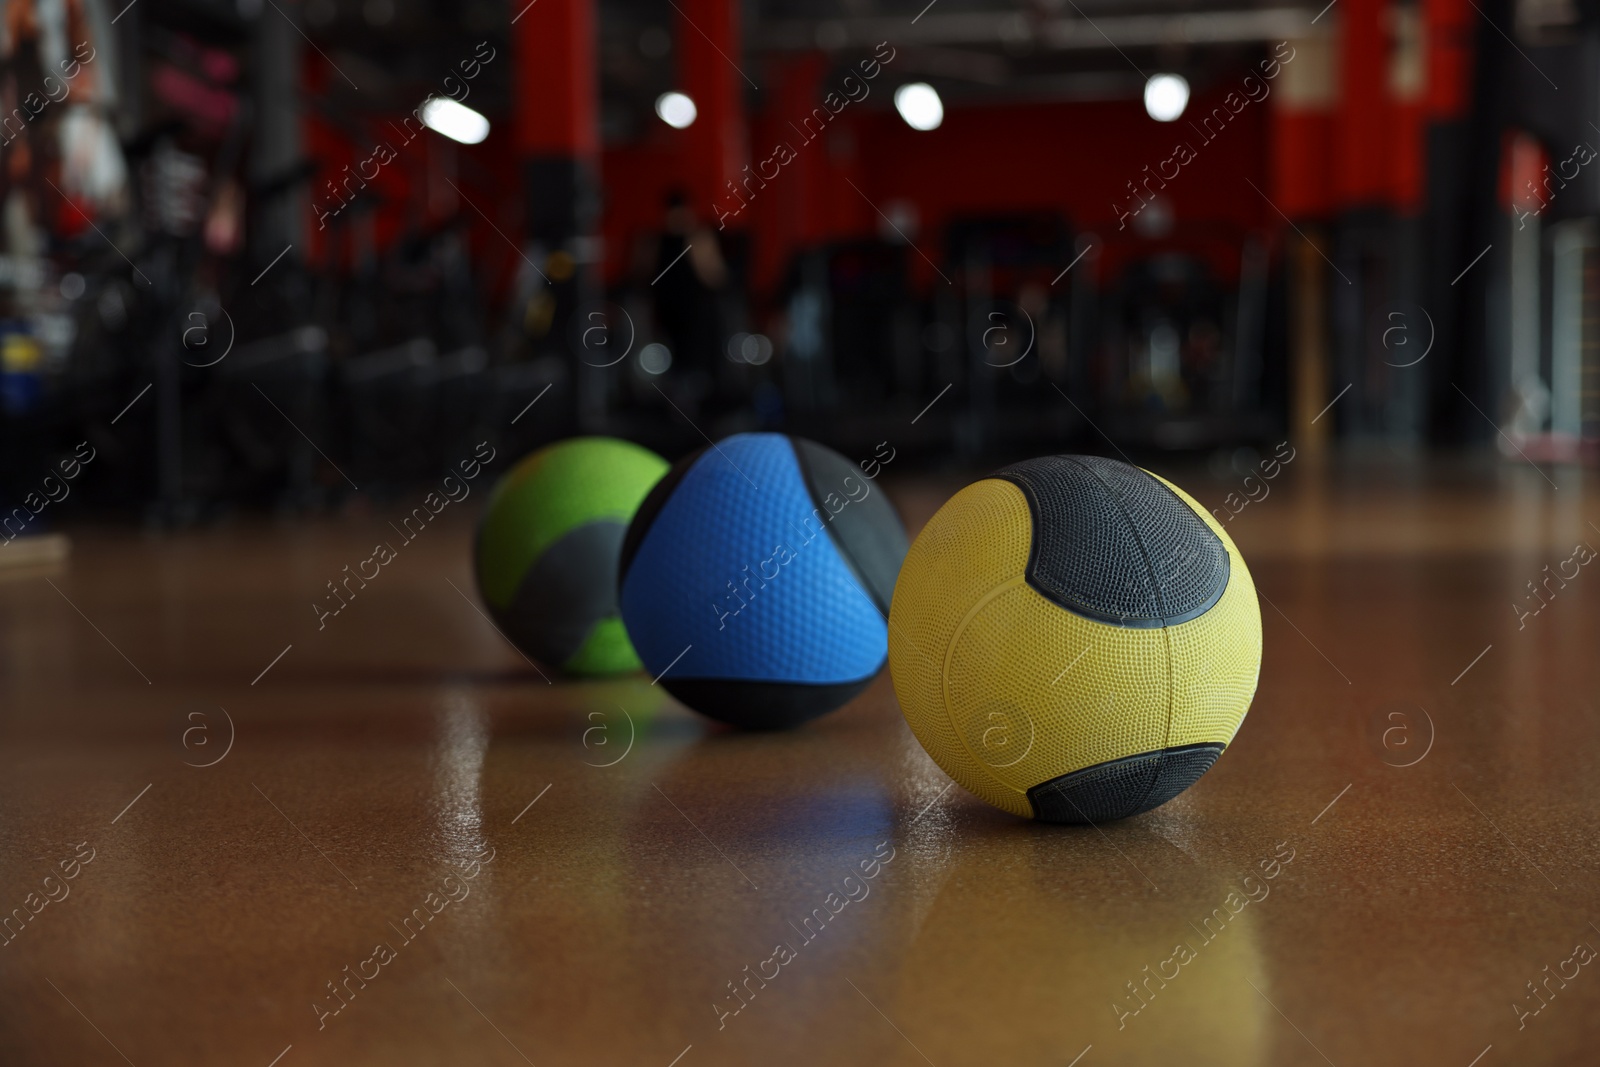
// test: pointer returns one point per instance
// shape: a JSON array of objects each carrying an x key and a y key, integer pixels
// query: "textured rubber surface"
[
  {"x": 545, "y": 555},
  {"x": 645, "y": 517},
  {"x": 737, "y": 577},
  {"x": 1113, "y": 542},
  {"x": 602, "y": 649},
  {"x": 865, "y": 527},
  {"x": 1122, "y": 787},
  {"x": 1006, "y": 689},
  {"x": 763, "y": 705},
  {"x": 549, "y": 492}
]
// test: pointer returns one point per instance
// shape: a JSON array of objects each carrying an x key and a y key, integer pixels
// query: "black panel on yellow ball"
[
  {"x": 1122, "y": 787},
  {"x": 1074, "y": 639},
  {"x": 1114, "y": 544}
]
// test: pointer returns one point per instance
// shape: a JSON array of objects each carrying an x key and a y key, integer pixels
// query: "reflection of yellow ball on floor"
[
  {"x": 1074, "y": 639},
  {"x": 1013, "y": 910}
]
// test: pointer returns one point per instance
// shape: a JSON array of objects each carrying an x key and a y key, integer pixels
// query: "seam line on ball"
[
  {"x": 1084, "y": 610},
  {"x": 1138, "y": 537},
  {"x": 981, "y": 765},
  {"x": 820, "y": 507}
]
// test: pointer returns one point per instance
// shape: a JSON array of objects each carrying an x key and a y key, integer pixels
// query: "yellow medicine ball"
[{"x": 1074, "y": 639}]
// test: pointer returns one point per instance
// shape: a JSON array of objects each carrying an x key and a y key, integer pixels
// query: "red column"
[
  {"x": 1408, "y": 87},
  {"x": 557, "y": 137},
  {"x": 556, "y": 116},
  {"x": 786, "y": 216},
  {"x": 1362, "y": 141},
  {"x": 554, "y": 80},
  {"x": 1303, "y": 103},
  {"x": 708, "y": 47},
  {"x": 1449, "y": 26}
]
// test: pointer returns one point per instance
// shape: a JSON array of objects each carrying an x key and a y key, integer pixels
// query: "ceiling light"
[
  {"x": 1165, "y": 97},
  {"x": 456, "y": 121},
  {"x": 919, "y": 105},
  {"x": 676, "y": 110}
]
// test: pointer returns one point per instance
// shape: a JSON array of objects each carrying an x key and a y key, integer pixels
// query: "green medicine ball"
[{"x": 548, "y": 545}]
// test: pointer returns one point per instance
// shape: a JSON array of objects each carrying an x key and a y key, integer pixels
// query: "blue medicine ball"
[{"x": 756, "y": 579}]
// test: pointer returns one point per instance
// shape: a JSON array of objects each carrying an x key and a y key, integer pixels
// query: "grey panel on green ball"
[
  {"x": 1114, "y": 544},
  {"x": 865, "y": 528},
  {"x": 1122, "y": 787},
  {"x": 570, "y": 588}
]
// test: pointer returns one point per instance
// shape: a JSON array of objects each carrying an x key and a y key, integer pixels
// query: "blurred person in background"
[{"x": 688, "y": 295}]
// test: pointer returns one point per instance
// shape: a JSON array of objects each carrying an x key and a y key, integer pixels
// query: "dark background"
[{"x": 241, "y": 274}]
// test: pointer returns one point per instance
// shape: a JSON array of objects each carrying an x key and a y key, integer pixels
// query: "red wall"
[
  {"x": 412, "y": 186},
  {"x": 1357, "y": 147},
  {"x": 1072, "y": 158},
  {"x": 1354, "y": 145}
]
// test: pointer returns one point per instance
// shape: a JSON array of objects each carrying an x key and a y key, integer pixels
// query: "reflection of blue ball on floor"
[{"x": 757, "y": 576}]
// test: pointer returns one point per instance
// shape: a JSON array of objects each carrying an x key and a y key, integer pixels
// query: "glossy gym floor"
[{"x": 239, "y": 838}]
